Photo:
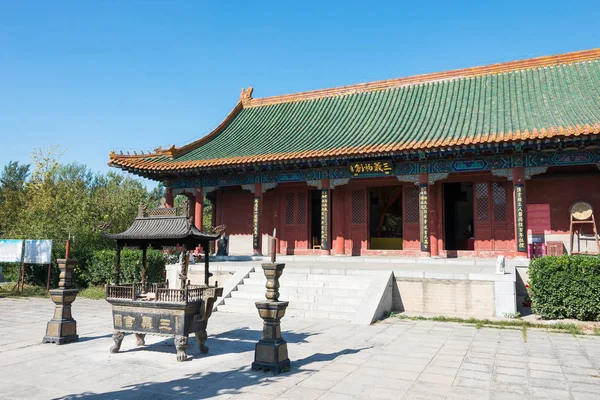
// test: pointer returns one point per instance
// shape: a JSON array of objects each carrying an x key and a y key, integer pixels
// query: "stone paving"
[{"x": 393, "y": 359}]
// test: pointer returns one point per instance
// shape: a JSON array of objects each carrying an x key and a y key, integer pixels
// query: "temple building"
[{"x": 474, "y": 162}]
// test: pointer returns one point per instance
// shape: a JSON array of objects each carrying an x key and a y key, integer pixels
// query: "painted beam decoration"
[
  {"x": 520, "y": 217},
  {"x": 324, "y": 219},
  {"x": 390, "y": 167},
  {"x": 255, "y": 223},
  {"x": 371, "y": 168},
  {"x": 424, "y": 218}
]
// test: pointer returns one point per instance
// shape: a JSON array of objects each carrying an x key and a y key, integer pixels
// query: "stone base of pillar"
[{"x": 62, "y": 328}]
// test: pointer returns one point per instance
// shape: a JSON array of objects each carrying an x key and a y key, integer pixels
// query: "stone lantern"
[
  {"x": 271, "y": 351},
  {"x": 62, "y": 328}
]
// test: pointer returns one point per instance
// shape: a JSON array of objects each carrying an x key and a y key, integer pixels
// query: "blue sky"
[{"x": 92, "y": 76}]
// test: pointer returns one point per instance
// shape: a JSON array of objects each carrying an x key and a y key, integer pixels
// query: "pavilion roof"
[
  {"x": 162, "y": 230},
  {"x": 539, "y": 98}
]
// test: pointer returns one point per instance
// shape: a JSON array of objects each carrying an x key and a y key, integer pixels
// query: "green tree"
[{"x": 14, "y": 176}]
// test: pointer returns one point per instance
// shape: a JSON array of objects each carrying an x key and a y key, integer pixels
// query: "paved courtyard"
[{"x": 393, "y": 359}]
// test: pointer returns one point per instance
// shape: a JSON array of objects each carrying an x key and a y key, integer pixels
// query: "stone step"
[
  {"x": 286, "y": 296},
  {"x": 326, "y": 291},
  {"x": 311, "y": 277},
  {"x": 357, "y": 285},
  {"x": 295, "y": 305},
  {"x": 290, "y": 312}
]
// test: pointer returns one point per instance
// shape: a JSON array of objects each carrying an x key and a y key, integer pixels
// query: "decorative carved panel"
[
  {"x": 358, "y": 207},
  {"x": 302, "y": 212},
  {"x": 482, "y": 202},
  {"x": 411, "y": 207},
  {"x": 499, "y": 201},
  {"x": 289, "y": 208}
]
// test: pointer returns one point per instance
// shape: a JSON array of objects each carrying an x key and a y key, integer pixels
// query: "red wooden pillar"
[
  {"x": 338, "y": 222},
  {"x": 519, "y": 211},
  {"x": 325, "y": 217},
  {"x": 199, "y": 208},
  {"x": 169, "y": 198},
  {"x": 440, "y": 217},
  {"x": 256, "y": 215},
  {"x": 433, "y": 219}
]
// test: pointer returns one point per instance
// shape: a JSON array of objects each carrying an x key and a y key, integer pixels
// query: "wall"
[
  {"x": 234, "y": 210},
  {"x": 561, "y": 192},
  {"x": 444, "y": 297}
]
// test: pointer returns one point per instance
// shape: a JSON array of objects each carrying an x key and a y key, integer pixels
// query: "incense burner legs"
[
  {"x": 117, "y": 336},
  {"x": 201, "y": 337},
  {"x": 271, "y": 351},
  {"x": 181, "y": 342},
  {"x": 140, "y": 339}
]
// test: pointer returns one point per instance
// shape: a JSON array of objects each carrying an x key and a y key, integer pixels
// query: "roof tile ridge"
[
  {"x": 173, "y": 151},
  {"x": 468, "y": 72},
  {"x": 114, "y": 155}
]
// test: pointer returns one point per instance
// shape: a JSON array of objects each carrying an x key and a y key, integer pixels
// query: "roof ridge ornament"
[{"x": 246, "y": 95}]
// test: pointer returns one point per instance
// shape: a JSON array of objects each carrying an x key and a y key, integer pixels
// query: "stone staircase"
[{"x": 311, "y": 295}]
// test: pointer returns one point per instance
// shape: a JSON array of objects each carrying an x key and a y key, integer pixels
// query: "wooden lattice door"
[
  {"x": 358, "y": 220},
  {"x": 295, "y": 212},
  {"x": 493, "y": 230},
  {"x": 410, "y": 234},
  {"x": 503, "y": 230}
]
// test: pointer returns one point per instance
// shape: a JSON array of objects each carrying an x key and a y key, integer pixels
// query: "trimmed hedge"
[
  {"x": 566, "y": 287},
  {"x": 100, "y": 266}
]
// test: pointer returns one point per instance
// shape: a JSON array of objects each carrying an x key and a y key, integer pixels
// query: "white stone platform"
[{"x": 334, "y": 287}]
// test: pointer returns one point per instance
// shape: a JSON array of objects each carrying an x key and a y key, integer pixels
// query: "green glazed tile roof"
[{"x": 431, "y": 111}]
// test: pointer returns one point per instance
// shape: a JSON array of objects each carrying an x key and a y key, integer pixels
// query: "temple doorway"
[
  {"x": 385, "y": 218},
  {"x": 458, "y": 216}
]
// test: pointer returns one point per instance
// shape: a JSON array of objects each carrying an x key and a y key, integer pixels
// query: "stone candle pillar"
[
  {"x": 62, "y": 328},
  {"x": 271, "y": 351}
]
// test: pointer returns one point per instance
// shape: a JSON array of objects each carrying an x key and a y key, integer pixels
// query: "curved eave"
[{"x": 484, "y": 140}]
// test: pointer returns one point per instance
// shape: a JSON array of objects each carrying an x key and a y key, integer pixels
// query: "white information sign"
[
  {"x": 38, "y": 251},
  {"x": 11, "y": 250}
]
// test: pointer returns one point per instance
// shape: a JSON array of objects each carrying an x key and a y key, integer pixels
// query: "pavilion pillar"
[
  {"x": 519, "y": 211},
  {"x": 338, "y": 222},
  {"x": 256, "y": 215},
  {"x": 117, "y": 264},
  {"x": 424, "y": 214},
  {"x": 198, "y": 209},
  {"x": 169, "y": 197},
  {"x": 144, "y": 262},
  {"x": 325, "y": 213}
]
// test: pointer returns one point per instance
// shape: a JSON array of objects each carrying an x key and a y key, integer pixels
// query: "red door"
[
  {"x": 493, "y": 230},
  {"x": 502, "y": 215},
  {"x": 483, "y": 223},
  {"x": 358, "y": 221},
  {"x": 411, "y": 232},
  {"x": 295, "y": 213}
]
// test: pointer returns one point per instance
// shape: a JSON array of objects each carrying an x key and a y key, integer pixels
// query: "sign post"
[
  {"x": 11, "y": 251},
  {"x": 40, "y": 252}
]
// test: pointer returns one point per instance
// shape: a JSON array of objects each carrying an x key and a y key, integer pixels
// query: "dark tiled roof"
[
  {"x": 546, "y": 97},
  {"x": 158, "y": 228}
]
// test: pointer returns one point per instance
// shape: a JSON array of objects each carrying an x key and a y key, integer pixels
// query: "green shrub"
[
  {"x": 566, "y": 287},
  {"x": 100, "y": 267}
]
